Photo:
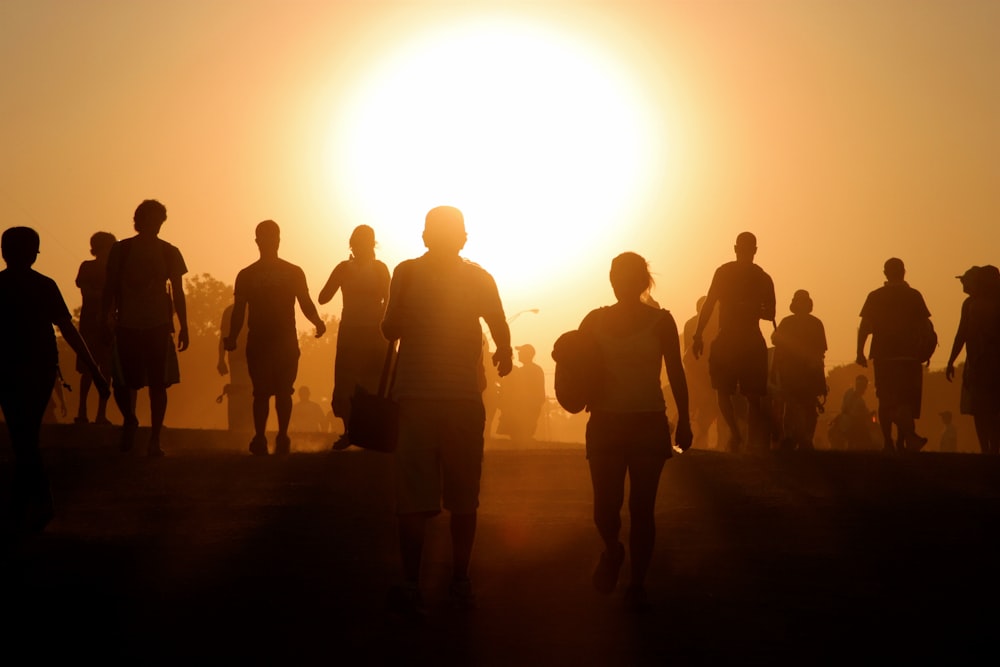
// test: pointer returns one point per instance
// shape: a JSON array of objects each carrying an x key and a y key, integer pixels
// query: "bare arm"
[
  {"x": 73, "y": 338},
  {"x": 236, "y": 321},
  {"x": 671, "y": 347},
  {"x": 309, "y": 309},
  {"x": 180, "y": 305},
  {"x": 333, "y": 284},
  {"x": 864, "y": 330}
]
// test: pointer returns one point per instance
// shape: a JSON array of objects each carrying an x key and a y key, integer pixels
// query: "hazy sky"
[{"x": 841, "y": 133}]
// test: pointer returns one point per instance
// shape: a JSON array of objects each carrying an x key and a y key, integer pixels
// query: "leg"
[
  {"x": 125, "y": 399},
  {"x": 728, "y": 412},
  {"x": 644, "y": 479},
  {"x": 983, "y": 429},
  {"x": 757, "y": 431},
  {"x": 261, "y": 408},
  {"x": 463, "y": 534},
  {"x": 885, "y": 414},
  {"x": 607, "y": 474},
  {"x": 85, "y": 382},
  {"x": 157, "y": 410},
  {"x": 283, "y": 410},
  {"x": 412, "y": 528}
]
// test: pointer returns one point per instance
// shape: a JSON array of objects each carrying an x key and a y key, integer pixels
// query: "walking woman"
[
  {"x": 361, "y": 347},
  {"x": 628, "y": 432}
]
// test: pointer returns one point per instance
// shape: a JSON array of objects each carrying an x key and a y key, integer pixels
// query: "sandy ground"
[{"x": 212, "y": 556}]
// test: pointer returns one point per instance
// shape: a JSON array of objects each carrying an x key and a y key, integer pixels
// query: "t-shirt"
[
  {"x": 365, "y": 287},
  {"x": 745, "y": 294},
  {"x": 270, "y": 289},
  {"x": 895, "y": 312},
  {"x": 30, "y": 304},
  {"x": 138, "y": 270},
  {"x": 436, "y": 303}
]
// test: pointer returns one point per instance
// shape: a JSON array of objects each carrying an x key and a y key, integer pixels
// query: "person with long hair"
[
  {"x": 361, "y": 348},
  {"x": 628, "y": 432}
]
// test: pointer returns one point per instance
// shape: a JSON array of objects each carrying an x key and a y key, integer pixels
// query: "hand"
[
  {"x": 182, "y": 339},
  {"x": 861, "y": 361},
  {"x": 949, "y": 372},
  {"x": 697, "y": 346},
  {"x": 683, "y": 435},
  {"x": 504, "y": 361},
  {"x": 320, "y": 329},
  {"x": 222, "y": 367},
  {"x": 229, "y": 343}
]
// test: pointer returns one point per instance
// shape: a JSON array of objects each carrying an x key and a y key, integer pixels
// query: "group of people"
[{"x": 432, "y": 307}]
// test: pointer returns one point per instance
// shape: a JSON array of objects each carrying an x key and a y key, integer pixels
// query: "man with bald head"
[
  {"x": 435, "y": 305},
  {"x": 894, "y": 315},
  {"x": 266, "y": 292},
  {"x": 738, "y": 357}
]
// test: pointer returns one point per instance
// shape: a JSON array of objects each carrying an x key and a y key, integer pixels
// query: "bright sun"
[{"x": 540, "y": 140}]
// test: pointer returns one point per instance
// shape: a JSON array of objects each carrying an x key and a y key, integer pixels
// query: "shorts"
[
  {"x": 739, "y": 362},
  {"x": 145, "y": 357},
  {"x": 899, "y": 382},
  {"x": 439, "y": 458},
  {"x": 273, "y": 369},
  {"x": 631, "y": 435}
]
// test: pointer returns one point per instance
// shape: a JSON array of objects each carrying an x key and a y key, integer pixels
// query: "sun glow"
[{"x": 540, "y": 140}]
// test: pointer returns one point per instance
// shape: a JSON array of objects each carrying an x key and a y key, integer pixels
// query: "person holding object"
[{"x": 628, "y": 432}]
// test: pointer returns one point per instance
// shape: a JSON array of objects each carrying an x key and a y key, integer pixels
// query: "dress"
[{"x": 361, "y": 347}]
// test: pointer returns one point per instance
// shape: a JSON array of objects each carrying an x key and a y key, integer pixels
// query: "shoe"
[
  {"x": 462, "y": 596},
  {"x": 406, "y": 602},
  {"x": 103, "y": 421},
  {"x": 258, "y": 446},
  {"x": 605, "y": 576},
  {"x": 127, "y": 440},
  {"x": 282, "y": 445},
  {"x": 81, "y": 420},
  {"x": 154, "y": 451},
  {"x": 636, "y": 600},
  {"x": 341, "y": 444},
  {"x": 915, "y": 442}
]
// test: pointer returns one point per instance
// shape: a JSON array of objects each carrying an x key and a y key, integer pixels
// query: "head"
[
  {"x": 801, "y": 303},
  {"x": 304, "y": 393},
  {"x": 444, "y": 229},
  {"x": 268, "y": 236},
  {"x": 149, "y": 216},
  {"x": 362, "y": 241},
  {"x": 100, "y": 243},
  {"x": 746, "y": 246},
  {"x": 20, "y": 246},
  {"x": 894, "y": 269},
  {"x": 861, "y": 383},
  {"x": 630, "y": 277},
  {"x": 525, "y": 353}
]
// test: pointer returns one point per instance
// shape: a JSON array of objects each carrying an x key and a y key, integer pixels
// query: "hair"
[
  {"x": 801, "y": 302},
  {"x": 444, "y": 228},
  {"x": 20, "y": 245},
  {"x": 268, "y": 229},
  {"x": 630, "y": 275},
  {"x": 894, "y": 268},
  {"x": 101, "y": 241},
  {"x": 362, "y": 241},
  {"x": 746, "y": 239},
  {"x": 150, "y": 213}
]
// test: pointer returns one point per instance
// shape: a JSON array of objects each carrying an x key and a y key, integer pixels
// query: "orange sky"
[{"x": 841, "y": 133}]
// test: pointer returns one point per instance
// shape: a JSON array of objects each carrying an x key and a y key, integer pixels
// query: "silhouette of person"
[
  {"x": 948, "y": 440},
  {"x": 703, "y": 400},
  {"x": 361, "y": 347},
  {"x": 852, "y": 427},
  {"x": 979, "y": 333},
  {"x": 737, "y": 360},
  {"x": 31, "y": 304},
  {"x": 90, "y": 278},
  {"x": 522, "y": 395},
  {"x": 238, "y": 391},
  {"x": 490, "y": 383},
  {"x": 307, "y": 415},
  {"x": 143, "y": 290},
  {"x": 57, "y": 403},
  {"x": 265, "y": 294},
  {"x": 891, "y": 315},
  {"x": 628, "y": 432},
  {"x": 798, "y": 370},
  {"x": 434, "y": 310}
]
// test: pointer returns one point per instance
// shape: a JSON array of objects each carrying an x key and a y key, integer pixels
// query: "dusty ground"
[{"x": 210, "y": 555}]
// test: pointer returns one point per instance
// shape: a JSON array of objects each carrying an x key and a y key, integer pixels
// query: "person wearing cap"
[
  {"x": 143, "y": 290},
  {"x": 892, "y": 315},
  {"x": 436, "y": 302},
  {"x": 798, "y": 370},
  {"x": 737, "y": 360},
  {"x": 265, "y": 294},
  {"x": 522, "y": 395},
  {"x": 979, "y": 334}
]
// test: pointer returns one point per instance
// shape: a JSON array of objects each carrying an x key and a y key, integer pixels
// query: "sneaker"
[
  {"x": 915, "y": 442},
  {"x": 341, "y": 444},
  {"x": 605, "y": 576},
  {"x": 258, "y": 446},
  {"x": 282, "y": 445},
  {"x": 636, "y": 600},
  {"x": 462, "y": 595},
  {"x": 406, "y": 602}
]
